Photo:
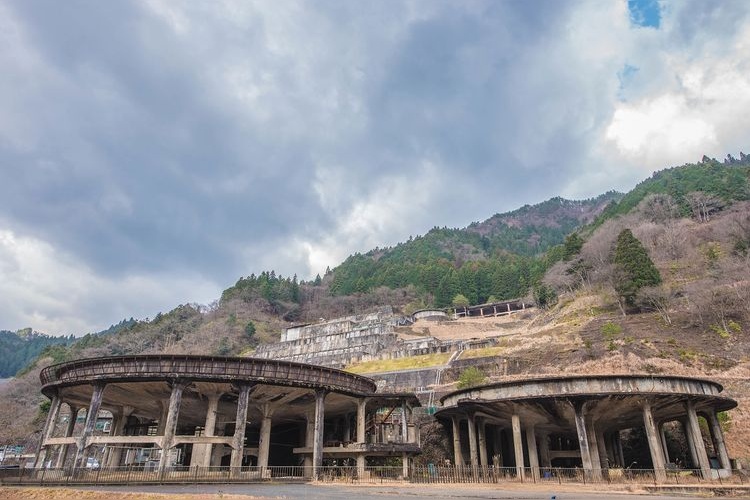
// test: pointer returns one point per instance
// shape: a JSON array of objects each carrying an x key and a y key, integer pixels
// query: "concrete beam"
[{"x": 63, "y": 452}]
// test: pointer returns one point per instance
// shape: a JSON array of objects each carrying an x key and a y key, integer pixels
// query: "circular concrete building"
[
  {"x": 164, "y": 411},
  {"x": 575, "y": 421}
]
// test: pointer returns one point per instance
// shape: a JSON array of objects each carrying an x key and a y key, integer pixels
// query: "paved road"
[{"x": 430, "y": 492}]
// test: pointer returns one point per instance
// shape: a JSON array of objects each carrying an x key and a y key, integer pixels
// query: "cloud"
[
  {"x": 50, "y": 291},
  {"x": 145, "y": 141}
]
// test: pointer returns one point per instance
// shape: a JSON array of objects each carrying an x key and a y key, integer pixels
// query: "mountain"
[
  {"x": 17, "y": 349},
  {"x": 500, "y": 257}
]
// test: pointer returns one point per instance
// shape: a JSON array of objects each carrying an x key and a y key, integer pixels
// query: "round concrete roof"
[
  {"x": 548, "y": 400},
  {"x": 144, "y": 368}
]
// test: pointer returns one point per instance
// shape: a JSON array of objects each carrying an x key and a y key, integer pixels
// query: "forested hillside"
[
  {"x": 500, "y": 258},
  {"x": 17, "y": 349}
]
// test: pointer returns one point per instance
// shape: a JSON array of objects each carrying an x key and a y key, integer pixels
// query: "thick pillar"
[
  {"x": 688, "y": 438},
  {"x": 533, "y": 457},
  {"x": 695, "y": 440},
  {"x": 473, "y": 442},
  {"x": 497, "y": 459},
  {"x": 88, "y": 429},
  {"x": 518, "y": 445},
  {"x": 361, "y": 434},
  {"x": 596, "y": 465},
  {"x": 238, "y": 439},
  {"x": 601, "y": 444},
  {"x": 49, "y": 431},
  {"x": 118, "y": 428},
  {"x": 544, "y": 456},
  {"x": 309, "y": 442},
  {"x": 583, "y": 439},
  {"x": 63, "y": 454},
  {"x": 170, "y": 425},
  {"x": 209, "y": 427},
  {"x": 663, "y": 437},
  {"x": 320, "y": 397},
  {"x": 264, "y": 444},
  {"x": 482, "y": 433},
  {"x": 405, "y": 470},
  {"x": 717, "y": 434},
  {"x": 654, "y": 443},
  {"x": 458, "y": 456},
  {"x": 618, "y": 449},
  {"x": 404, "y": 423}
]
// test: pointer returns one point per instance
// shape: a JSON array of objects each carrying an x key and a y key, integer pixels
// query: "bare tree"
[{"x": 703, "y": 205}]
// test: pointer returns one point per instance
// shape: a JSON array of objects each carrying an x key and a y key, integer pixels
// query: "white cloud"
[{"x": 52, "y": 292}]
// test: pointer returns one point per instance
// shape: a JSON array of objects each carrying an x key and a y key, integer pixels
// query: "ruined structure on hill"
[{"x": 353, "y": 339}]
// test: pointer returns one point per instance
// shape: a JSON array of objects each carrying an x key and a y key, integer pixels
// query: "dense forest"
[{"x": 17, "y": 349}]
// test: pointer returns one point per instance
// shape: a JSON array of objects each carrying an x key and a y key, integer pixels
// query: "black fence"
[{"x": 367, "y": 475}]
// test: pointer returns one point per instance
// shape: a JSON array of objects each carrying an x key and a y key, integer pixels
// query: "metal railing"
[{"x": 367, "y": 475}]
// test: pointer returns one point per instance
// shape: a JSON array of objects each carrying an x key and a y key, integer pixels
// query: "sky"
[{"x": 152, "y": 152}]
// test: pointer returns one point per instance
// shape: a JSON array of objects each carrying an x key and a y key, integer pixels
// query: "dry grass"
[
  {"x": 409, "y": 363},
  {"x": 26, "y": 493}
]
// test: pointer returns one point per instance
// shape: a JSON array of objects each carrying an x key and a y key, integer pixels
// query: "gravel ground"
[{"x": 322, "y": 492}]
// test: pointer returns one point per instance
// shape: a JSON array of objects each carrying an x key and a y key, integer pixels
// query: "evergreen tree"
[{"x": 634, "y": 269}]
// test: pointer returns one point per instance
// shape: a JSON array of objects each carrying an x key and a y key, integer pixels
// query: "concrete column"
[
  {"x": 533, "y": 457},
  {"x": 404, "y": 424},
  {"x": 238, "y": 439},
  {"x": 473, "y": 455},
  {"x": 361, "y": 434},
  {"x": 170, "y": 426},
  {"x": 209, "y": 428},
  {"x": 62, "y": 455},
  {"x": 697, "y": 440},
  {"x": 689, "y": 439},
  {"x": 49, "y": 431},
  {"x": 88, "y": 429},
  {"x": 544, "y": 456},
  {"x": 405, "y": 470},
  {"x": 162, "y": 417},
  {"x": 320, "y": 397},
  {"x": 618, "y": 449},
  {"x": 583, "y": 439},
  {"x": 601, "y": 445},
  {"x": 118, "y": 428},
  {"x": 518, "y": 445},
  {"x": 309, "y": 442},
  {"x": 498, "y": 445},
  {"x": 718, "y": 438},
  {"x": 458, "y": 456},
  {"x": 663, "y": 437},
  {"x": 264, "y": 445},
  {"x": 654, "y": 443},
  {"x": 482, "y": 434},
  {"x": 596, "y": 471}
]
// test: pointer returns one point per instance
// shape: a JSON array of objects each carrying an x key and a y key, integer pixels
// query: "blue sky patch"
[{"x": 645, "y": 13}]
